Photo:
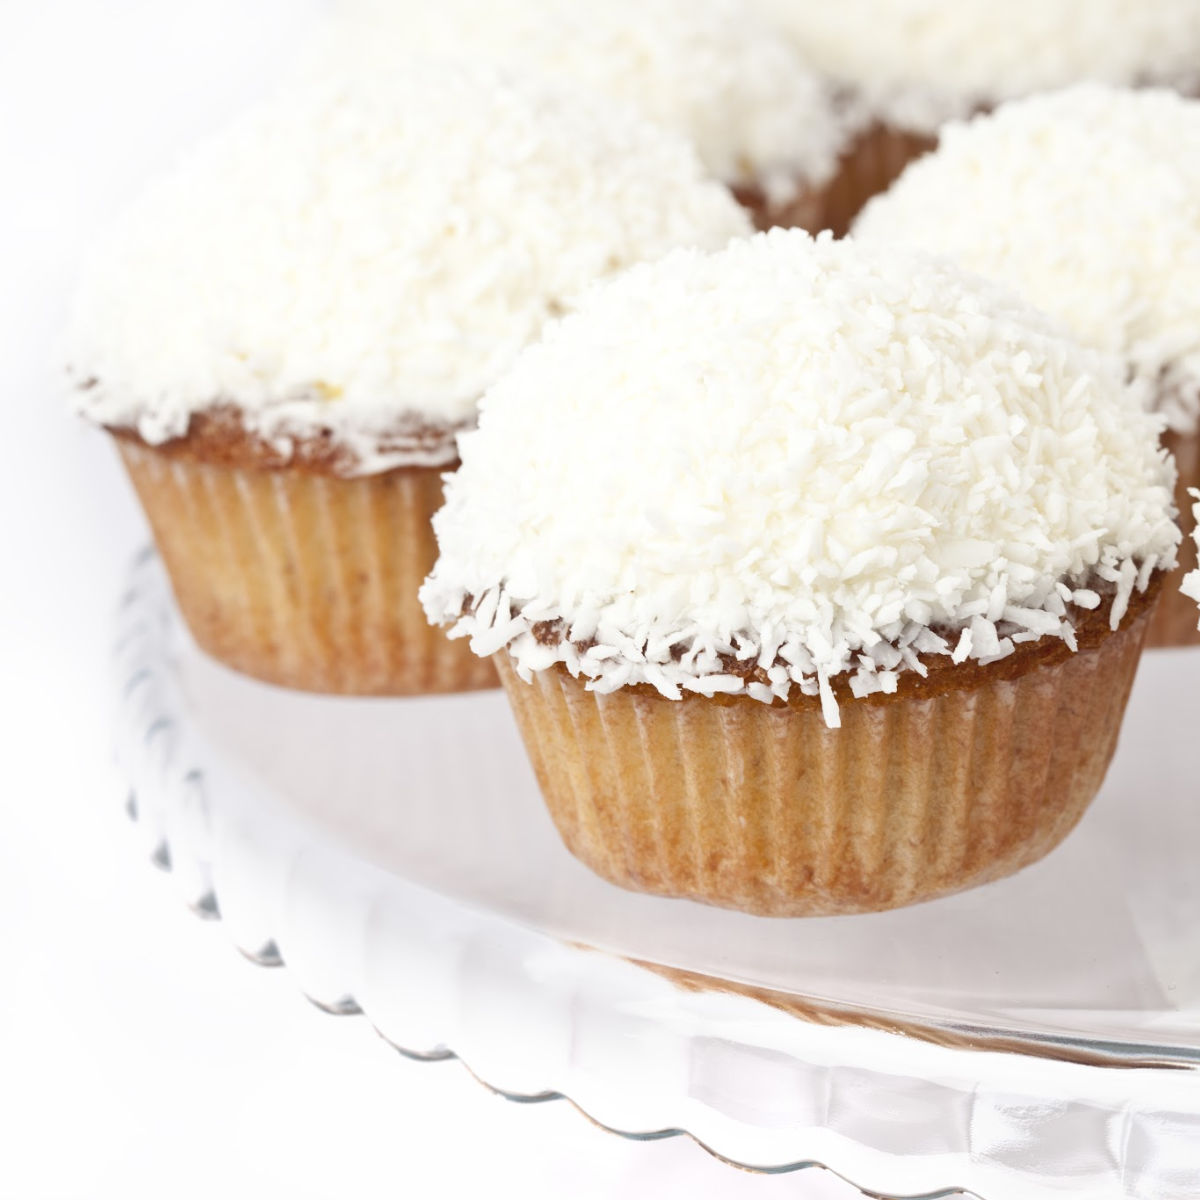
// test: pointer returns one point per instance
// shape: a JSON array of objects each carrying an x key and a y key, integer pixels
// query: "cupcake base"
[
  {"x": 1175, "y": 623},
  {"x": 763, "y": 808},
  {"x": 873, "y": 161},
  {"x": 806, "y": 210},
  {"x": 867, "y": 167},
  {"x": 300, "y": 577}
]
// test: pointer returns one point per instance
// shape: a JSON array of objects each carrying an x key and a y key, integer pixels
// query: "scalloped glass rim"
[{"x": 400, "y": 903}]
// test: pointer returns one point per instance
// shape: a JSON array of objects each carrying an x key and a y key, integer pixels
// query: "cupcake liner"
[
  {"x": 1176, "y": 621},
  {"x": 763, "y": 808},
  {"x": 302, "y": 578},
  {"x": 806, "y": 210},
  {"x": 869, "y": 166}
]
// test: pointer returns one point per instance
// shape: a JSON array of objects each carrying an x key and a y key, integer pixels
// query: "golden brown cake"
[
  {"x": 1175, "y": 621},
  {"x": 805, "y": 586},
  {"x": 295, "y": 574},
  {"x": 1190, "y": 588},
  {"x": 952, "y": 781},
  {"x": 870, "y": 160}
]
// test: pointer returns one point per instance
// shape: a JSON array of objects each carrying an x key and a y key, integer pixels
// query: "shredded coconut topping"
[
  {"x": 723, "y": 77},
  {"x": 1086, "y": 201},
  {"x": 364, "y": 257},
  {"x": 803, "y": 457},
  {"x": 917, "y": 63},
  {"x": 1191, "y": 582}
]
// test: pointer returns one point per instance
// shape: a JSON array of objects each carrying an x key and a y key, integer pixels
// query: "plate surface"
[{"x": 396, "y": 854}]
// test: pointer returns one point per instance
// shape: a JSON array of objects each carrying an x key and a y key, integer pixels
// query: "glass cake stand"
[{"x": 1039, "y": 1037}]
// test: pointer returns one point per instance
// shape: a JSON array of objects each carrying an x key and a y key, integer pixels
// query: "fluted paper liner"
[
  {"x": 1176, "y": 621},
  {"x": 301, "y": 578},
  {"x": 764, "y": 809},
  {"x": 805, "y": 210},
  {"x": 867, "y": 167}
]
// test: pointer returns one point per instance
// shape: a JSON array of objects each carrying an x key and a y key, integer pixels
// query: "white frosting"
[
  {"x": 1191, "y": 581},
  {"x": 807, "y": 456},
  {"x": 1086, "y": 201},
  {"x": 363, "y": 258},
  {"x": 721, "y": 76},
  {"x": 917, "y": 63}
]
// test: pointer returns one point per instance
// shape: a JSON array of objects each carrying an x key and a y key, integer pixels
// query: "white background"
[{"x": 139, "y": 1055}]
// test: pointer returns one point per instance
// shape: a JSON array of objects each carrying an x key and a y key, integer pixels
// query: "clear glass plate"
[{"x": 397, "y": 855}]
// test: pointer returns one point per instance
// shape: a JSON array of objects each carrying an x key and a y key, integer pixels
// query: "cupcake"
[
  {"x": 1086, "y": 202},
  {"x": 908, "y": 66},
  {"x": 817, "y": 578},
  {"x": 760, "y": 119},
  {"x": 286, "y": 334}
]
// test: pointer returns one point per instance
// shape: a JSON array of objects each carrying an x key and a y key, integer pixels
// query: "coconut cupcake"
[
  {"x": 1086, "y": 202},
  {"x": 908, "y": 66},
  {"x": 759, "y": 118},
  {"x": 286, "y": 334},
  {"x": 817, "y": 578}
]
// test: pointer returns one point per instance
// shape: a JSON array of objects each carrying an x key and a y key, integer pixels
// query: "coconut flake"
[
  {"x": 751, "y": 386},
  {"x": 726, "y": 78},
  {"x": 1008, "y": 196},
  {"x": 918, "y": 63},
  {"x": 359, "y": 252}
]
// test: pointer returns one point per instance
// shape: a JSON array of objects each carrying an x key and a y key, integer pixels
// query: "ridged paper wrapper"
[
  {"x": 764, "y": 808},
  {"x": 869, "y": 164},
  {"x": 303, "y": 578},
  {"x": 1177, "y": 622}
]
